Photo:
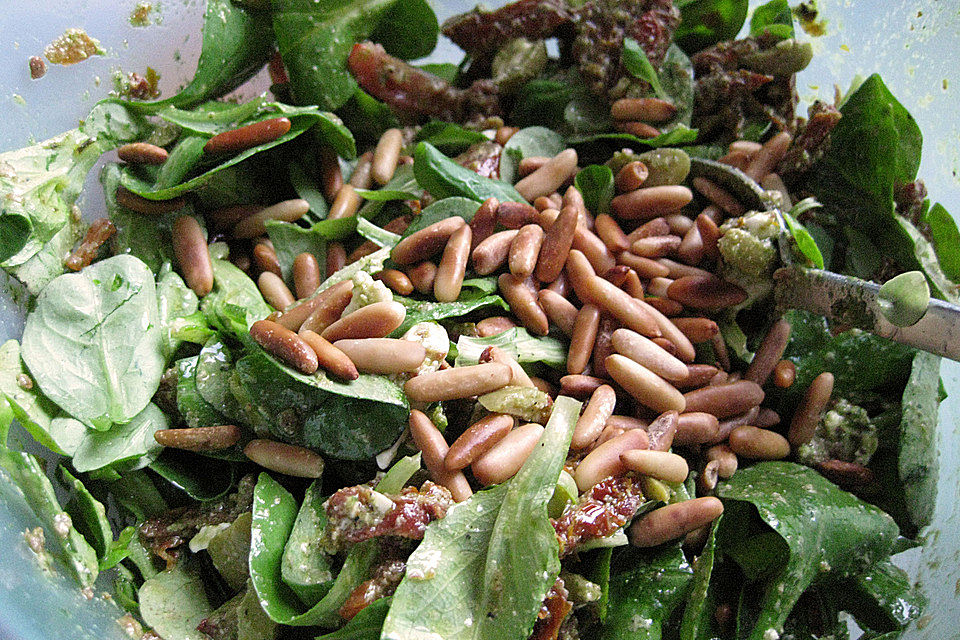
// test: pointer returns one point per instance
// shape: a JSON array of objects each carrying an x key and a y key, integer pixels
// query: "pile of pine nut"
[{"x": 633, "y": 290}]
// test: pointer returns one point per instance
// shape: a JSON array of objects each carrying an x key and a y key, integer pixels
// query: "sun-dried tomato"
[{"x": 608, "y": 506}]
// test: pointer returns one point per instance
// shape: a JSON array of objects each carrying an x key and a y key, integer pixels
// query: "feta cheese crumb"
[{"x": 367, "y": 291}]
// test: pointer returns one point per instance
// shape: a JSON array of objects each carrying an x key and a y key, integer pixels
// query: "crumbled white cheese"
[
  {"x": 367, "y": 291},
  {"x": 207, "y": 533}
]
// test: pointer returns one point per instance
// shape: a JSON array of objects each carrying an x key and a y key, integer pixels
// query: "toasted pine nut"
[
  {"x": 484, "y": 222},
  {"x": 611, "y": 233},
  {"x": 645, "y": 267},
  {"x": 593, "y": 248},
  {"x": 620, "y": 305},
  {"x": 718, "y": 196},
  {"x": 709, "y": 234},
  {"x": 265, "y": 259},
  {"x": 524, "y": 250},
  {"x": 644, "y": 109},
  {"x": 494, "y": 325},
  {"x": 142, "y": 153},
  {"x": 346, "y": 204},
  {"x": 306, "y": 274},
  {"x": 851, "y": 476},
  {"x": 650, "y": 202},
  {"x": 138, "y": 204},
  {"x": 559, "y": 310},
  {"x": 521, "y": 295},
  {"x": 505, "y": 458},
  {"x": 396, "y": 281},
  {"x": 784, "y": 374},
  {"x": 727, "y": 400},
  {"x": 666, "y": 306},
  {"x": 632, "y": 285},
  {"x": 758, "y": 444},
  {"x": 478, "y": 439},
  {"x": 698, "y": 375},
  {"x": 709, "y": 294},
  {"x": 685, "y": 350},
  {"x": 603, "y": 346},
  {"x": 749, "y": 146},
  {"x": 287, "y": 211},
  {"x": 362, "y": 177},
  {"x": 666, "y": 345},
  {"x": 594, "y": 417},
  {"x": 697, "y": 329},
  {"x": 662, "y": 430},
  {"x": 748, "y": 417},
  {"x": 543, "y": 385},
  {"x": 561, "y": 285},
  {"x": 336, "y": 258},
  {"x": 383, "y": 355},
  {"x": 489, "y": 255},
  {"x": 549, "y": 177},
  {"x": 582, "y": 338},
  {"x": 573, "y": 198},
  {"x": 97, "y": 234},
  {"x": 604, "y": 460},
  {"x": 376, "y": 320},
  {"x": 618, "y": 275},
  {"x": 329, "y": 357},
  {"x": 655, "y": 227},
  {"x": 226, "y": 217},
  {"x": 579, "y": 386},
  {"x": 769, "y": 155},
  {"x": 726, "y": 459},
  {"x": 648, "y": 388},
  {"x": 274, "y": 290},
  {"x": 696, "y": 427},
  {"x": 458, "y": 382},
  {"x": 190, "y": 249},
  {"x": 773, "y": 182},
  {"x": 434, "y": 448},
  {"x": 504, "y": 134},
  {"x": 287, "y": 346},
  {"x": 556, "y": 245},
  {"x": 519, "y": 377},
  {"x": 385, "y": 156},
  {"x": 200, "y": 439},
  {"x": 769, "y": 352},
  {"x": 331, "y": 177},
  {"x": 674, "y": 521},
  {"x": 453, "y": 265},
  {"x": 738, "y": 159},
  {"x": 657, "y": 287},
  {"x": 364, "y": 249},
  {"x": 708, "y": 478},
  {"x": 330, "y": 302},
  {"x": 637, "y": 128},
  {"x": 807, "y": 416},
  {"x": 767, "y": 418},
  {"x": 643, "y": 351},
  {"x": 426, "y": 242},
  {"x": 514, "y": 215},
  {"x": 631, "y": 176},
  {"x": 655, "y": 246},
  {"x": 626, "y": 423},
  {"x": 422, "y": 276},
  {"x": 691, "y": 248},
  {"x": 662, "y": 465},
  {"x": 286, "y": 459},
  {"x": 252, "y": 135},
  {"x": 720, "y": 350},
  {"x": 530, "y": 164},
  {"x": 677, "y": 270}
]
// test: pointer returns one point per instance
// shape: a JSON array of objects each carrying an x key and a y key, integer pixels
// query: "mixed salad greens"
[{"x": 123, "y": 365}]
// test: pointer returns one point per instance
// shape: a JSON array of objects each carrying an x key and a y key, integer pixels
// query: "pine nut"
[
  {"x": 458, "y": 382},
  {"x": 434, "y": 448},
  {"x": 656, "y": 227},
  {"x": 709, "y": 235},
  {"x": 769, "y": 352},
  {"x": 265, "y": 259},
  {"x": 632, "y": 285},
  {"x": 611, "y": 234},
  {"x": 738, "y": 159},
  {"x": 851, "y": 476},
  {"x": 287, "y": 346},
  {"x": 720, "y": 350},
  {"x": 285, "y": 459},
  {"x": 506, "y": 457},
  {"x": 580, "y": 386},
  {"x": 696, "y": 427},
  {"x": 758, "y": 444},
  {"x": 560, "y": 286},
  {"x": 637, "y": 128},
  {"x": 648, "y": 388},
  {"x": 252, "y": 135},
  {"x": 604, "y": 460},
  {"x": 645, "y": 267},
  {"x": 748, "y": 417},
  {"x": 190, "y": 249},
  {"x": 422, "y": 276},
  {"x": 549, "y": 177},
  {"x": 385, "y": 156},
  {"x": 524, "y": 250},
  {"x": 504, "y": 134},
  {"x": 329, "y": 357},
  {"x": 674, "y": 521},
  {"x": 383, "y": 355},
  {"x": 657, "y": 287},
  {"x": 619, "y": 304},
  {"x": 331, "y": 177},
  {"x": 336, "y": 258},
  {"x": 99, "y": 231},
  {"x": 718, "y": 196},
  {"x": 484, "y": 222},
  {"x": 376, "y": 320},
  {"x": 644, "y": 109},
  {"x": 286, "y": 211},
  {"x": 769, "y": 155},
  {"x": 199, "y": 439},
  {"x": 275, "y": 291},
  {"x": 603, "y": 346},
  {"x": 747, "y": 146},
  {"x": 697, "y": 329},
  {"x": 661, "y": 431},
  {"x": 556, "y": 245},
  {"x": 784, "y": 374},
  {"x": 345, "y": 204},
  {"x": 521, "y": 295},
  {"x": 453, "y": 265},
  {"x": 666, "y": 306},
  {"x": 773, "y": 182},
  {"x": 582, "y": 338},
  {"x": 396, "y": 281},
  {"x": 655, "y": 246},
  {"x": 617, "y": 276},
  {"x": 698, "y": 375},
  {"x": 631, "y": 176},
  {"x": 708, "y": 478},
  {"x": 142, "y": 153},
  {"x": 362, "y": 178},
  {"x": 559, "y": 310},
  {"x": 426, "y": 242},
  {"x": 726, "y": 400},
  {"x": 650, "y": 202},
  {"x": 594, "y": 418},
  {"x": 138, "y": 204},
  {"x": 662, "y": 465},
  {"x": 544, "y": 386},
  {"x": 767, "y": 418},
  {"x": 666, "y": 345},
  {"x": 807, "y": 416},
  {"x": 573, "y": 198},
  {"x": 519, "y": 377},
  {"x": 514, "y": 215},
  {"x": 477, "y": 440},
  {"x": 691, "y": 249},
  {"x": 626, "y": 423},
  {"x": 685, "y": 350},
  {"x": 726, "y": 459},
  {"x": 677, "y": 270},
  {"x": 489, "y": 255},
  {"x": 593, "y": 248},
  {"x": 494, "y": 325},
  {"x": 226, "y": 217},
  {"x": 530, "y": 164},
  {"x": 608, "y": 433},
  {"x": 710, "y": 294},
  {"x": 653, "y": 357},
  {"x": 306, "y": 274},
  {"x": 324, "y": 307}
]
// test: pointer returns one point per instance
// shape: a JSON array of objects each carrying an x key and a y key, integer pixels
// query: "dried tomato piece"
[
  {"x": 554, "y": 610},
  {"x": 480, "y": 32},
  {"x": 608, "y": 506}
]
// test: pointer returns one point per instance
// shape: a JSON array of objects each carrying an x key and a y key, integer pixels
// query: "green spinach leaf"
[
  {"x": 174, "y": 602},
  {"x": 176, "y": 302},
  {"x": 519, "y": 343},
  {"x": 444, "y": 178},
  {"x": 129, "y": 445},
  {"x": 449, "y": 137},
  {"x": 706, "y": 22},
  {"x": 805, "y": 242},
  {"x": 917, "y": 462},
  {"x": 529, "y": 141},
  {"x": 542, "y": 102},
  {"x": 27, "y": 405},
  {"x": 234, "y": 294},
  {"x": 635, "y": 60},
  {"x": 698, "y": 613},
  {"x": 425, "y": 311},
  {"x": 87, "y": 514},
  {"x": 409, "y": 30},
  {"x": 192, "y": 406},
  {"x": 366, "y": 625},
  {"x": 595, "y": 183},
  {"x": 773, "y": 17},
  {"x": 946, "y": 240},
  {"x": 214, "y": 370},
  {"x": 882, "y": 599},
  {"x": 376, "y": 235},
  {"x": 305, "y": 567},
  {"x": 201, "y": 478},
  {"x": 290, "y": 240}
]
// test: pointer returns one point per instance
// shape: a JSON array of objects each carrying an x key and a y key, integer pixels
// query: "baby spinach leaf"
[
  {"x": 541, "y": 102},
  {"x": 145, "y": 237},
  {"x": 595, "y": 182},
  {"x": 917, "y": 462},
  {"x": 27, "y": 405},
  {"x": 946, "y": 240},
  {"x": 93, "y": 343},
  {"x": 706, "y": 22},
  {"x": 643, "y": 596},
  {"x": 449, "y": 137},
  {"x": 385, "y": 195},
  {"x": 87, "y": 514},
  {"x": 366, "y": 625},
  {"x": 773, "y": 17},
  {"x": 529, "y": 141},
  {"x": 376, "y": 235},
  {"x": 212, "y": 117},
  {"x": 366, "y": 116},
  {"x": 466, "y": 208},
  {"x": 425, "y": 311},
  {"x": 290, "y": 240},
  {"x": 830, "y": 533},
  {"x": 805, "y": 242},
  {"x": 118, "y": 550},
  {"x": 175, "y": 301},
  {"x": 490, "y": 582},
  {"x": 229, "y": 550},
  {"x": 302, "y": 174},
  {"x": 399, "y": 474},
  {"x": 635, "y": 61},
  {"x": 913, "y": 251},
  {"x": 408, "y": 30},
  {"x": 174, "y": 602},
  {"x": 214, "y": 370},
  {"x": 882, "y": 599},
  {"x": 679, "y": 135},
  {"x": 305, "y": 567},
  {"x": 130, "y": 445},
  {"x": 444, "y": 178},
  {"x": 519, "y": 343},
  {"x": 185, "y": 155},
  {"x": 698, "y": 613},
  {"x": 200, "y": 477},
  {"x": 194, "y": 409},
  {"x": 233, "y": 291}
]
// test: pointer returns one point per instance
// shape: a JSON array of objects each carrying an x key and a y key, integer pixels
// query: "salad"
[{"x": 497, "y": 349}]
